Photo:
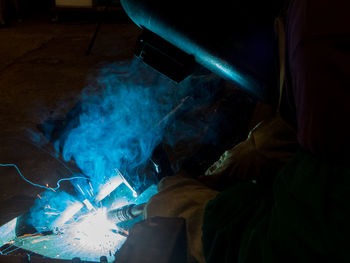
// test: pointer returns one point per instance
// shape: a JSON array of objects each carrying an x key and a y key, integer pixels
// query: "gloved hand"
[
  {"x": 268, "y": 147},
  {"x": 183, "y": 197}
]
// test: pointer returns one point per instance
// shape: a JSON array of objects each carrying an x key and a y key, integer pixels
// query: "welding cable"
[
  {"x": 42, "y": 186},
  {"x": 45, "y": 151}
]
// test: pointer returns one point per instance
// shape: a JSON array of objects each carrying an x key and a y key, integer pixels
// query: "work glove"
[
  {"x": 268, "y": 147},
  {"x": 186, "y": 198}
]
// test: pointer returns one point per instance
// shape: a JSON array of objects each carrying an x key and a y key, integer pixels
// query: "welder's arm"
[
  {"x": 268, "y": 147},
  {"x": 183, "y": 197}
]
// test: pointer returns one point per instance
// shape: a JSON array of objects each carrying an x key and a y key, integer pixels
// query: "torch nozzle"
[{"x": 125, "y": 213}]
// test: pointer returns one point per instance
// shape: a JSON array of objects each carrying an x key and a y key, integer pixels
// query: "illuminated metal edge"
[
  {"x": 66, "y": 245},
  {"x": 134, "y": 193},
  {"x": 113, "y": 183},
  {"x": 8, "y": 232},
  {"x": 67, "y": 214},
  {"x": 108, "y": 188}
]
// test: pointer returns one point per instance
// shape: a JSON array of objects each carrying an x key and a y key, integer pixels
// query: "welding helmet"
[{"x": 233, "y": 39}]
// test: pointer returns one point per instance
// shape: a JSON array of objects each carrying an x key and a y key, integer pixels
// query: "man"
[{"x": 299, "y": 213}]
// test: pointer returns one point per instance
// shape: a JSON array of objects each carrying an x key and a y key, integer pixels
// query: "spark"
[
  {"x": 49, "y": 207},
  {"x": 52, "y": 213},
  {"x": 173, "y": 111},
  {"x": 81, "y": 190},
  {"x": 121, "y": 231},
  {"x": 28, "y": 235},
  {"x": 92, "y": 189},
  {"x": 95, "y": 233},
  {"x": 40, "y": 240}
]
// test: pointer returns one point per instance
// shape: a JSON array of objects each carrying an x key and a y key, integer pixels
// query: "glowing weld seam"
[{"x": 41, "y": 186}]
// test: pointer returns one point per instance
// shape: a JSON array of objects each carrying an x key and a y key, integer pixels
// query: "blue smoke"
[
  {"x": 121, "y": 120},
  {"x": 126, "y": 111},
  {"x": 49, "y": 207}
]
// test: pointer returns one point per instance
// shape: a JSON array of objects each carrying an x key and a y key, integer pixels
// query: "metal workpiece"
[{"x": 125, "y": 213}]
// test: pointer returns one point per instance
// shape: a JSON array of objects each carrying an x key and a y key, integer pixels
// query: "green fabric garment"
[{"x": 303, "y": 217}]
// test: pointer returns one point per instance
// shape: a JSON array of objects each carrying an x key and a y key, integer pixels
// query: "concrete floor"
[{"x": 43, "y": 69}]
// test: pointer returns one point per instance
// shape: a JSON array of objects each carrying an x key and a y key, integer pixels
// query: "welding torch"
[{"x": 125, "y": 213}]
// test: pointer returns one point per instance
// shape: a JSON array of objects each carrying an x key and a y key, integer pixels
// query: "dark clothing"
[
  {"x": 305, "y": 215},
  {"x": 304, "y": 218}
]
